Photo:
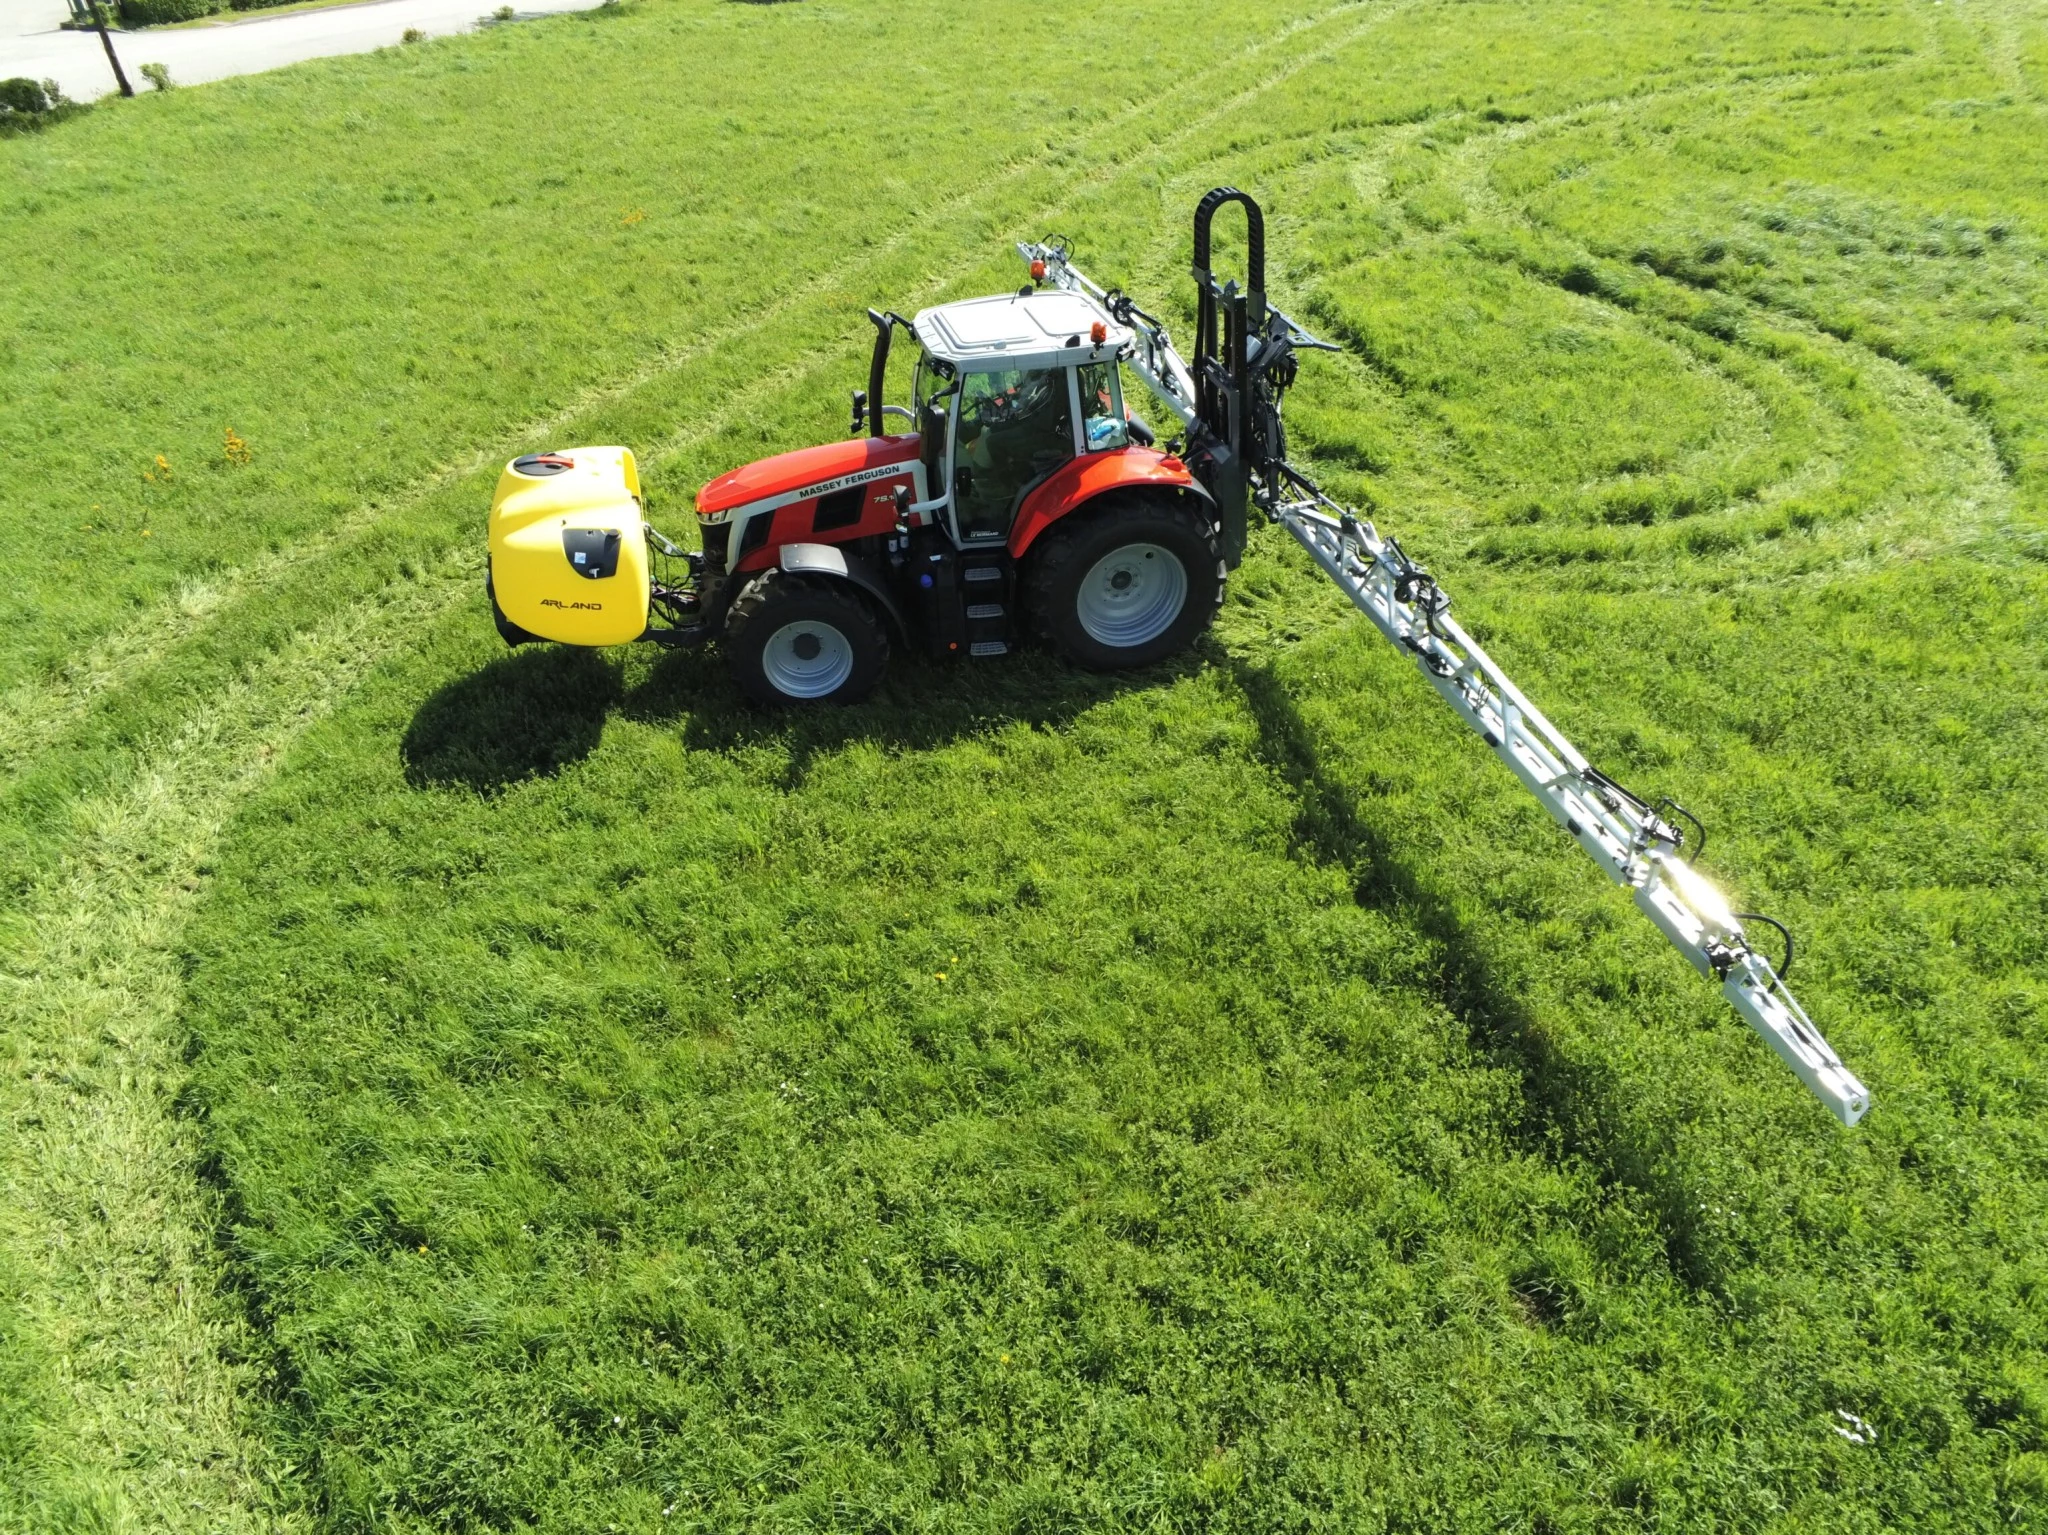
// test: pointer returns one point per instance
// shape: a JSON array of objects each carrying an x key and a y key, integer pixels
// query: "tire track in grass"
[
  {"x": 34, "y": 713},
  {"x": 1979, "y": 500},
  {"x": 1911, "y": 393},
  {"x": 1468, "y": 168},
  {"x": 1997, "y": 24},
  {"x": 1469, "y": 165},
  {"x": 1974, "y": 483},
  {"x": 131, "y": 1292},
  {"x": 101, "y": 1179},
  {"x": 1370, "y": 177}
]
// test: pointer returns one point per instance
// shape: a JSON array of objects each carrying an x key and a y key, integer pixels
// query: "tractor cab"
[{"x": 1008, "y": 391}]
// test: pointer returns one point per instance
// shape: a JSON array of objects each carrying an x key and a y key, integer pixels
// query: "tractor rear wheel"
[
  {"x": 1127, "y": 580},
  {"x": 803, "y": 640}
]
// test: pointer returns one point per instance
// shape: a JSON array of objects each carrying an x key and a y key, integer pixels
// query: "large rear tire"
[
  {"x": 804, "y": 640},
  {"x": 1127, "y": 580}
]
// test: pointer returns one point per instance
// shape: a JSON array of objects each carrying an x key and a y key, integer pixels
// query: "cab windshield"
[{"x": 931, "y": 395}]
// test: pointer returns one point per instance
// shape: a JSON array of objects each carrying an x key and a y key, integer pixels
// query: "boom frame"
[{"x": 1228, "y": 406}]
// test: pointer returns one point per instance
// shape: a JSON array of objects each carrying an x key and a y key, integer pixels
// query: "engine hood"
[{"x": 812, "y": 470}]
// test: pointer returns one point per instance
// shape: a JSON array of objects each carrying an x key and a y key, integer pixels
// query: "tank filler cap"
[{"x": 539, "y": 466}]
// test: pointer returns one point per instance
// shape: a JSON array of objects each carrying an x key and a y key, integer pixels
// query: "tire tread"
[
  {"x": 1050, "y": 573},
  {"x": 774, "y": 588}
]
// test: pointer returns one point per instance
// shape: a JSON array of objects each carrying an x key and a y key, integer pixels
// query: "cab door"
[{"x": 1012, "y": 428}]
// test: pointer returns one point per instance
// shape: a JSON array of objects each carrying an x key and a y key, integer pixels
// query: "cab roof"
[{"x": 1020, "y": 330}]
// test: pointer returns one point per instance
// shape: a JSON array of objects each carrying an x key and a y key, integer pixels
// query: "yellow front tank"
[{"x": 568, "y": 548}]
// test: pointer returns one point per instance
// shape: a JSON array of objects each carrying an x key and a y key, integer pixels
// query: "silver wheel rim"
[
  {"x": 1132, "y": 595},
  {"x": 807, "y": 659}
]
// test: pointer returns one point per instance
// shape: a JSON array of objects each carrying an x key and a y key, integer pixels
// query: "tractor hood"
[{"x": 811, "y": 471}]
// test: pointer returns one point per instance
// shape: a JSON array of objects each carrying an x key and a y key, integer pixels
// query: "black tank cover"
[{"x": 592, "y": 552}]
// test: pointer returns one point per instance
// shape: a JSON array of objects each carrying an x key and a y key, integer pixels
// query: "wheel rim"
[
  {"x": 1132, "y": 595},
  {"x": 807, "y": 659}
]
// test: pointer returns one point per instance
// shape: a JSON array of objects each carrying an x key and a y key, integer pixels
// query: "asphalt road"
[
  {"x": 18, "y": 18},
  {"x": 31, "y": 45}
]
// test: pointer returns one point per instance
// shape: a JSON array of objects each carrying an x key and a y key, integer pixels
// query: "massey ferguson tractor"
[{"x": 1026, "y": 500}]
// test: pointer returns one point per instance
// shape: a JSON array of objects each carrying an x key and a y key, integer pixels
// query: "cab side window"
[
  {"x": 931, "y": 392},
  {"x": 1102, "y": 407}
]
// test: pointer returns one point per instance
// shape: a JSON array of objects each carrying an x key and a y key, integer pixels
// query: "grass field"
[{"x": 448, "y": 1089}]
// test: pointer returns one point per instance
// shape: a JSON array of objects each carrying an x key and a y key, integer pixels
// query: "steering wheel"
[{"x": 1001, "y": 409}]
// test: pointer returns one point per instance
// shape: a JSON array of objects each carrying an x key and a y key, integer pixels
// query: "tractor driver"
[{"x": 1016, "y": 427}]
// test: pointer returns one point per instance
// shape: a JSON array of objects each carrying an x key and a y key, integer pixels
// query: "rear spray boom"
[
  {"x": 1228, "y": 405},
  {"x": 1633, "y": 844}
]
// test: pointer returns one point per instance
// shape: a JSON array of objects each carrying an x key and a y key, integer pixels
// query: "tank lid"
[{"x": 541, "y": 465}]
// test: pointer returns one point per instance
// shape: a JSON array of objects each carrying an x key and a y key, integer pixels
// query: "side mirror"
[
  {"x": 902, "y": 510},
  {"x": 1141, "y": 434},
  {"x": 860, "y": 414}
]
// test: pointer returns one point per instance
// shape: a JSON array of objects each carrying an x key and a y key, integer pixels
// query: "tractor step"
[{"x": 965, "y": 600}]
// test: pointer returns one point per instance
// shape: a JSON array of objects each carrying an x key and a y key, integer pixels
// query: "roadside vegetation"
[
  {"x": 29, "y": 106},
  {"x": 173, "y": 13},
  {"x": 451, "y": 1089}
]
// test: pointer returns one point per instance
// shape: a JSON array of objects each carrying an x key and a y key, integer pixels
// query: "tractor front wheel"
[
  {"x": 1126, "y": 581},
  {"x": 803, "y": 640}
]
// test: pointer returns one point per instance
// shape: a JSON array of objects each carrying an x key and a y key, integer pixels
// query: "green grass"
[{"x": 460, "y": 1090}]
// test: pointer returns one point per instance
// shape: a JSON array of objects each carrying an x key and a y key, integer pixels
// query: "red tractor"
[
  {"x": 1027, "y": 499},
  {"x": 1024, "y": 498}
]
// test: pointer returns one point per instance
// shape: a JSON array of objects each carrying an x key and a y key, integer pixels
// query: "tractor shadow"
[
  {"x": 543, "y": 708},
  {"x": 921, "y": 705},
  {"x": 526, "y": 715},
  {"x": 1571, "y": 1107}
]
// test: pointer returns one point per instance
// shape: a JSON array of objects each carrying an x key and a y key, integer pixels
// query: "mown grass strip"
[{"x": 146, "y": 1427}]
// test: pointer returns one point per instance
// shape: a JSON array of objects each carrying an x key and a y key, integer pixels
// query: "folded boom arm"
[{"x": 1228, "y": 405}]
